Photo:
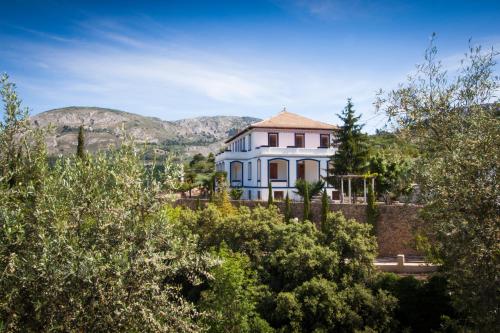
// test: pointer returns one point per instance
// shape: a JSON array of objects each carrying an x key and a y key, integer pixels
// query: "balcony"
[
  {"x": 264, "y": 151},
  {"x": 288, "y": 151}
]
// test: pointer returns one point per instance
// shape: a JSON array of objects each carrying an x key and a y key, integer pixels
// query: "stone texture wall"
[{"x": 395, "y": 230}]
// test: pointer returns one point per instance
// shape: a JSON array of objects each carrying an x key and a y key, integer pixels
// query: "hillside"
[{"x": 107, "y": 127}]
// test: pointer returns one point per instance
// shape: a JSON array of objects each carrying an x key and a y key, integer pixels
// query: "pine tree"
[
  {"x": 352, "y": 154},
  {"x": 307, "y": 204},
  {"x": 270, "y": 200},
  {"x": 288, "y": 208},
  {"x": 80, "y": 149},
  {"x": 325, "y": 208}
]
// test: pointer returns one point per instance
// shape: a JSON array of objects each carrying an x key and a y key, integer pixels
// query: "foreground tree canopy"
[
  {"x": 453, "y": 119},
  {"x": 84, "y": 245}
]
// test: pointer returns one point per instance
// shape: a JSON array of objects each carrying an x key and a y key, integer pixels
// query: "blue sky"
[{"x": 178, "y": 59}]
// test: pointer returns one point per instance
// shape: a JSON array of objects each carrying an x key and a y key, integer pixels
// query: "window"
[
  {"x": 249, "y": 194},
  {"x": 324, "y": 140},
  {"x": 273, "y": 140},
  {"x": 299, "y": 140},
  {"x": 249, "y": 142},
  {"x": 273, "y": 170},
  {"x": 249, "y": 170},
  {"x": 278, "y": 195},
  {"x": 258, "y": 170},
  {"x": 258, "y": 195},
  {"x": 301, "y": 170}
]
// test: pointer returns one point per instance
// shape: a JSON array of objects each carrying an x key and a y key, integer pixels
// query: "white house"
[{"x": 279, "y": 150}]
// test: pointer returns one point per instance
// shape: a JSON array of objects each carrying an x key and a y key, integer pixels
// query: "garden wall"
[{"x": 395, "y": 230}]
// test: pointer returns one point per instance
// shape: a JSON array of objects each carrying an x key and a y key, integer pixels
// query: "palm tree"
[{"x": 313, "y": 188}]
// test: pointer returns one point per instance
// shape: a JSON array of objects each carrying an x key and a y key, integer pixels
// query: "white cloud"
[{"x": 155, "y": 77}]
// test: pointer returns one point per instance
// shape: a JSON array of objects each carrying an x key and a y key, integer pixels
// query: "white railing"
[
  {"x": 276, "y": 151},
  {"x": 279, "y": 183},
  {"x": 296, "y": 151},
  {"x": 236, "y": 183}
]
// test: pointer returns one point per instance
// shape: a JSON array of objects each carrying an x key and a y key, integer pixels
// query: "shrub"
[{"x": 236, "y": 193}]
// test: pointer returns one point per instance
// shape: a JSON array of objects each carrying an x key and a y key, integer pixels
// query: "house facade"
[{"x": 279, "y": 150}]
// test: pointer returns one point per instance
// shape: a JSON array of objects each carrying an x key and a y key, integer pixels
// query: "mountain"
[{"x": 108, "y": 127}]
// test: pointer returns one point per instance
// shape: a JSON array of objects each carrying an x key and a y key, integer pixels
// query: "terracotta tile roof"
[{"x": 287, "y": 120}]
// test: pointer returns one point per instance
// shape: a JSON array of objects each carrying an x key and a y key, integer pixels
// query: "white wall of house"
[
  {"x": 286, "y": 155},
  {"x": 287, "y": 174},
  {"x": 286, "y": 138},
  {"x": 259, "y": 139}
]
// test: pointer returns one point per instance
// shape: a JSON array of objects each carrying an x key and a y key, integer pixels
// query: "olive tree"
[
  {"x": 84, "y": 245},
  {"x": 454, "y": 120}
]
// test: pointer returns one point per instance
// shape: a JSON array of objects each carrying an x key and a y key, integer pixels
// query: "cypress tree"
[
  {"x": 288, "y": 209},
  {"x": 307, "y": 204},
  {"x": 325, "y": 207},
  {"x": 211, "y": 187},
  {"x": 270, "y": 200},
  {"x": 80, "y": 149},
  {"x": 352, "y": 154},
  {"x": 221, "y": 195}
]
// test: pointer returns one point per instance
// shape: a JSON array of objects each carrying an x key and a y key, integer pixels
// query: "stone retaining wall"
[{"x": 395, "y": 230}]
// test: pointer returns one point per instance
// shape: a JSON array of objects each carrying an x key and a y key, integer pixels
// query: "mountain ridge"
[{"x": 106, "y": 127}]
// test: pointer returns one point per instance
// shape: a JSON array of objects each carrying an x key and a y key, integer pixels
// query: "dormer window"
[
  {"x": 273, "y": 140},
  {"x": 324, "y": 140},
  {"x": 299, "y": 140}
]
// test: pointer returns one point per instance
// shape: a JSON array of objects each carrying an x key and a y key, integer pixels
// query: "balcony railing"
[
  {"x": 279, "y": 182},
  {"x": 277, "y": 151},
  {"x": 236, "y": 183}
]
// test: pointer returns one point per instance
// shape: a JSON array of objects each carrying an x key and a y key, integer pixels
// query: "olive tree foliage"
[
  {"x": 83, "y": 245},
  {"x": 173, "y": 174},
  {"x": 454, "y": 120},
  {"x": 18, "y": 163}
]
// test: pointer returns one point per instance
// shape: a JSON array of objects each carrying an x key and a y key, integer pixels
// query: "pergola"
[{"x": 349, "y": 178}]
